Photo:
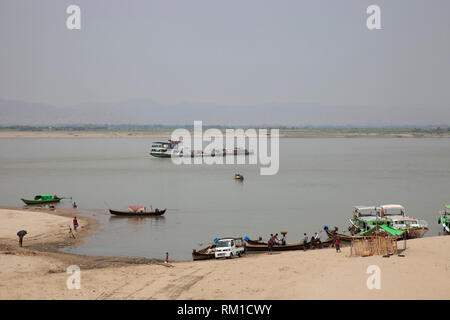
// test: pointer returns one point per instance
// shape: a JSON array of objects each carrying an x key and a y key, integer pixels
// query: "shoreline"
[
  {"x": 38, "y": 270},
  {"x": 165, "y": 134},
  {"x": 49, "y": 245}
]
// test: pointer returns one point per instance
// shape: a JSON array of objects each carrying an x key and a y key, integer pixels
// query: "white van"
[{"x": 229, "y": 248}]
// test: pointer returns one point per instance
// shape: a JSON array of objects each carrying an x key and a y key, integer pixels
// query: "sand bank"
[
  {"x": 41, "y": 226},
  {"x": 424, "y": 273}
]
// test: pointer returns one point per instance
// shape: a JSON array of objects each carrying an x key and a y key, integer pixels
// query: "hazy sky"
[{"x": 232, "y": 52}]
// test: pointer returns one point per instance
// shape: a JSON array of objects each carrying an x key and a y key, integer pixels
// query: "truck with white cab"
[{"x": 229, "y": 248}]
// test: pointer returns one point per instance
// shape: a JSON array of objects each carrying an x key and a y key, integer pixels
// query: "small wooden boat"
[
  {"x": 256, "y": 242},
  {"x": 265, "y": 247},
  {"x": 43, "y": 199},
  {"x": 342, "y": 237},
  {"x": 287, "y": 247},
  {"x": 137, "y": 211},
  {"x": 204, "y": 254}
]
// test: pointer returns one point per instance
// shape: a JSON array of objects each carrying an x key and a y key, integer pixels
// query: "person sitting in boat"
[
  {"x": 55, "y": 196},
  {"x": 313, "y": 243},
  {"x": 317, "y": 238},
  {"x": 283, "y": 240}
]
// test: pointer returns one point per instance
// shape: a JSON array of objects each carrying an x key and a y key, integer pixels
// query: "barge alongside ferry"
[{"x": 174, "y": 148}]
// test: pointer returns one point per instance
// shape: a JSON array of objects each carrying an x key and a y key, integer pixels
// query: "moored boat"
[
  {"x": 138, "y": 211},
  {"x": 414, "y": 228},
  {"x": 444, "y": 219},
  {"x": 393, "y": 216},
  {"x": 205, "y": 253},
  {"x": 286, "y": 247},
  {"x": 363, "y": 218},
  {"x": 343, "y": 237},
  {"x": 255, "y": 242},
  {"x": 42, "y": 199}
]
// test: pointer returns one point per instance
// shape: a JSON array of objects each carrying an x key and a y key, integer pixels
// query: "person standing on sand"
[
  {"x": 75, "y": 223},
  {"x": 305, "y": 241},
  {"x": 337, "y": 244},
  {"x": 270, "y": 243},
  {"x": 71, "y": 233},
  {"x": 21, "y": 234}
]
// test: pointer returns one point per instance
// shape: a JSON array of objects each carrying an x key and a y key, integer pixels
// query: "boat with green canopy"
[
  {"x": 392, "y": 215},
  {"x": 382, "y": 229},
  {"x": 444, "y": 219},
  {"x": 43, "y": 199}
]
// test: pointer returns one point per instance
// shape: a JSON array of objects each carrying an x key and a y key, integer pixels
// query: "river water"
[{"x": 318, "y": 182}]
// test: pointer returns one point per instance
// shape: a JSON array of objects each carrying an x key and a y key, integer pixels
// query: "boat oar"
[{"x": 65, "y": 198}]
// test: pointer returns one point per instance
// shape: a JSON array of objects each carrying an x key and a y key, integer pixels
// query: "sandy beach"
[{"x": 38, "y": 270}]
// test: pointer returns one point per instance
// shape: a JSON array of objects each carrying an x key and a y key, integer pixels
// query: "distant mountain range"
[{"x": 148, "y": 112}]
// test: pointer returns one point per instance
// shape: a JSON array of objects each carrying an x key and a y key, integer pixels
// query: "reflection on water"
[
  {"x": 154, "y": 222},
  {"x": 318, "y": 183}
]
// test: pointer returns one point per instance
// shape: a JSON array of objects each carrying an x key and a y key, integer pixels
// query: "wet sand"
[{"x": 38, "y": 270}]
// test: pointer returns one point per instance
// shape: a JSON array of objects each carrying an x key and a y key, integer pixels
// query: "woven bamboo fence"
[{"x": 373, "y": 246}]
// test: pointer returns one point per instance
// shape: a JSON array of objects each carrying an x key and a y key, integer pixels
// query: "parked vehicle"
[{"x": 229, "y": 248}]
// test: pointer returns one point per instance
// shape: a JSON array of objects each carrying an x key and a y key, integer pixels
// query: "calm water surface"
[{"x": 318, "y": 183}]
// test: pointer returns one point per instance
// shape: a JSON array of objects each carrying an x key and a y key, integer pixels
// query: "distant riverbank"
[{"x": 284, "y": 133}]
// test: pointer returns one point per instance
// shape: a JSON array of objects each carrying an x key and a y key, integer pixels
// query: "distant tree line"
[{"x": 154, "y": 127}]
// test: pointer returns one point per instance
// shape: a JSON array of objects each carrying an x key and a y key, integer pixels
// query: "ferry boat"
[
  {"x": 175, "y": 148},
  {"x": 444, "y": 219},
  {"x": 393, "y": 215},
  {"x": 363, "y": 218},
  {"x": 164, "y": 149}
]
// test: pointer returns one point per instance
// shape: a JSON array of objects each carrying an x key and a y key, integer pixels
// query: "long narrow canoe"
[
  {"x": 203, "y": 254},
  {"x": 33, "y": 202},
  {"x": 287, "y": 247},
  {"x": 256, "y": 242},
  {"x": 138, "y": 214},
  {"x": 342, "y": 237}
]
